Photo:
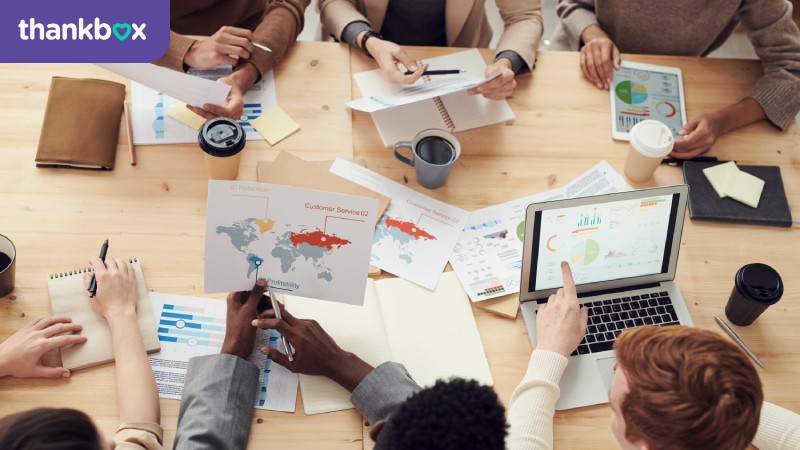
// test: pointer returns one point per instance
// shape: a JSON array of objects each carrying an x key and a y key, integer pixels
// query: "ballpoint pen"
[
  {"x": 739, "y": 341},
  {"x": 679, "y": 162},
  {"x": 278, "y": 316},
  {"x": 93, "y": 284},
  {"x": 437, "y": 72}
]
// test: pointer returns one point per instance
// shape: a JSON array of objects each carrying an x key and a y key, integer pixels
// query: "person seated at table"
[
  {"x": 437, "y": 23},
  {"x": 233, "y": 27},
  {"x": 217, "y": 400},
  {"x": 139, "y": 409},
  {"x": 21, "y": 354},
  {"x": 601, "y": 30},
  {"x": 673, "y": 388}
]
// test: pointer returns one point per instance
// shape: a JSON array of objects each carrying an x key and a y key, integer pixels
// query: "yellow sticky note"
[
  {"x": 275, "y": 125},
  {"x": 718, "y": 175},
  {"x": 183, "y": 115},
  {"x": 744, "y": 187}
]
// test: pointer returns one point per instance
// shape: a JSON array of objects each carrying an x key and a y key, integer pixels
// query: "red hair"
[{"x": 689, "y": 389}]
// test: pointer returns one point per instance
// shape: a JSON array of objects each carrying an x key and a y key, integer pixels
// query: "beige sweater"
[
  {"x": 533, "y": 403},
  {"x": 695, "y": 28}
]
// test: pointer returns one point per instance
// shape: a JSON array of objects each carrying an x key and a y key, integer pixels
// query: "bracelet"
[{"x": 364, "y": 38}]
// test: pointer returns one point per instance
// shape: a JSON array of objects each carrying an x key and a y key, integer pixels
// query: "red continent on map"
[
  {"x": 409, "y": 228},
  {"x": 317, "y": 239}
]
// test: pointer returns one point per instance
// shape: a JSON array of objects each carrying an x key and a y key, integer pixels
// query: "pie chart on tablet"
[{"x": 631, "y": 92}]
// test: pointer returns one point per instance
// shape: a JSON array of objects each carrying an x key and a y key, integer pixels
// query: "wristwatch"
[{"x": 364, "y": 38}]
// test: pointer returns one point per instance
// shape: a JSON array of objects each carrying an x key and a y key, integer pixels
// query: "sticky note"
[
  {"x": 718, "y": 175},
  {"x": 183, "y": 115},
  {"x": 744, "y": 187},
  {"x": 275, "y": 125}
]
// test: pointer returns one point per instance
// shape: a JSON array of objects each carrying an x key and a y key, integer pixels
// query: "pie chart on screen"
[
  {"x": 666, "y": 109},
  {"x": 631, "y": 92}
]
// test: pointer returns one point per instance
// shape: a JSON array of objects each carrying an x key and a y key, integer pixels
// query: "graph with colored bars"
[
  {"x": 587, "y": 221},
  {"x": 647, "y": 202},
  {"x": 264, "y": 338},
  {"x": 191, "y": 326},
  {"x": 626, "y": 122}
]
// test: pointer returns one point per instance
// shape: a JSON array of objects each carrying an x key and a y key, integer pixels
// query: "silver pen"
[
  {"x": 739, "y": 341},
  {"x": 278, "y": 316}
]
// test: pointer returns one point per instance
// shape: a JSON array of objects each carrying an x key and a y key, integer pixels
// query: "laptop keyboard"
[{"x": 608, "y": 318}]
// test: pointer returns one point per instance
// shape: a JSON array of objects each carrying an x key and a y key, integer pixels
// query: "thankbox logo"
[
  {"x": 91, "y": 31},
  {"x": 32, "y": 30}
]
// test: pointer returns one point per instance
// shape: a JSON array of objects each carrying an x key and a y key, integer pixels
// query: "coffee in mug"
[
  {"x": 222, "y": 140},
  {"x": 8, "y": 260},
  {"x": 434, "y": 152},
  {"x": 651, "y": 141}
]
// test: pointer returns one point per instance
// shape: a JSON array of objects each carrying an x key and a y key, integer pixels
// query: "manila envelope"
[{"x": 292, "y": 171}]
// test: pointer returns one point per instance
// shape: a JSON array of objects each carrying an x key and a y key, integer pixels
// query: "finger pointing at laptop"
[{"x": 561, "y": 323}]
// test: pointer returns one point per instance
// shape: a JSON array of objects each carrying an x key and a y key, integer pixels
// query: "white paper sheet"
[
  {"x": 184, "y": 87},
  {"x": 195, "y": 326},
  {"x": 488, "y": 255},
  {"x": 304, "y": 242},
  {"x": 416, "y": 234}
]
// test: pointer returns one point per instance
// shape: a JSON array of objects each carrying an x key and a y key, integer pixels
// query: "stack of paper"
[{"x": 731, "y": 182}]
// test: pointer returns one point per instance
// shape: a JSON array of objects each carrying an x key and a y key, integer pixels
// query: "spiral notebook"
[
  {"x": 455, "y": 112},
  {"x": 68, "y": 297}
]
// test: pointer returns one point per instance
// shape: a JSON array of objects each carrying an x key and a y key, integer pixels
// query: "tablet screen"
[{"x": 644, "y": 94}]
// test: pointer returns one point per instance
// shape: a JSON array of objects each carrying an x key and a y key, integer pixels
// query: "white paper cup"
[{"x": 651, "y": 141}]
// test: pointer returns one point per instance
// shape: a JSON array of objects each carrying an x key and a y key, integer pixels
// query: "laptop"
[{"x": 623, "y": 251}]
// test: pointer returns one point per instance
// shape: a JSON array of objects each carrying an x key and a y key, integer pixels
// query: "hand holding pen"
[
  {"x": 276, "y": 308},
  {"x": 93, "y": 284}
]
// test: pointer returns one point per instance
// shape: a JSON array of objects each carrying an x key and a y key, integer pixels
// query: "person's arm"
[
  {"x": 21, "y": 354},
  {"x": 116, "y": 299},
  {"x": 778, "y": 429},
  {"x": 376, "y": 392},
  {"x": 775, "y": 96},
  {"x": 175, "y": 55},
  {"x": 560, "y": 326},
  {"x": 217, "y": 398}
]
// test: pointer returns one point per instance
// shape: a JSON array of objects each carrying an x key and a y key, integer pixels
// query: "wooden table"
[{"x": 156, "y": 211}]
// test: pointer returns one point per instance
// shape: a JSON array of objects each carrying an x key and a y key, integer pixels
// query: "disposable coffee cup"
[
  {"x": 434, "y": 153},
  {"x": 8, "y": 262},
  {"x": 651, "y": 141},
  {"x": 755, "y": 287},
  {"x": 222, "y": 140}
]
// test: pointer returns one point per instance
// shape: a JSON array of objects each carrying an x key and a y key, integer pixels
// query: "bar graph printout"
[{"x": 194, "y": 326}]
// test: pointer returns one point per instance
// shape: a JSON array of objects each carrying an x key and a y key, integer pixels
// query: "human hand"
[
  {"x": 316, "y": 353},
  {"x": 116, "y": 295},
  {"x": 699, "y": 135},
  {"x": 561, "y": 322},
  {"x": 21, "y": 354},
  {"x": 240, "y": 336},
  {"x": 388, "y": 54},
  {"x": 501, "y": 87},
  {"x": 220, "y": 49},
  {"x": 241, "y": 80},
  {"x": 599, "y": 57}
]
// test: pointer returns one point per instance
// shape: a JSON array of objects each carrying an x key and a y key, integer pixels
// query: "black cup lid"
[
  {"x": 221, "y": 136},
  {"x": 760, "y": 282}
]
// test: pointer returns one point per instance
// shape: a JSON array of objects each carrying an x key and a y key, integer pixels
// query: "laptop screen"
[{"x": 603, "y": 241}]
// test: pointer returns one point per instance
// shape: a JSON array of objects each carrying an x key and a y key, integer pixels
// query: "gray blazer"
[{"x": 217, "y": 401}]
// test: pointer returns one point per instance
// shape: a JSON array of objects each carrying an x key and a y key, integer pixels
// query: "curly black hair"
[{"x": 457, "y": 414}]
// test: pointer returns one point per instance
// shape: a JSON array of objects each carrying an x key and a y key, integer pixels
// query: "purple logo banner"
[{"x": 86, "y": 31}]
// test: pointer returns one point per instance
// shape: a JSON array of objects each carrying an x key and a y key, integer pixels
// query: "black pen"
[
  {"x": 437, "y": 72},
  {"x": 679, "y": 162},
  {"x": 93, "y": 284}
]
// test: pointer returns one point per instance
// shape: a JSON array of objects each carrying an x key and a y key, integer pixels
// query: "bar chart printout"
[{"x": 193, "y": 326}]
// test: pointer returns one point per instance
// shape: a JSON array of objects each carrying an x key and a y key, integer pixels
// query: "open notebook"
[
  {"x": 68, "y": 298},
  {"x": 433, "y": 334},
  {"x": 455, "y": 112}
]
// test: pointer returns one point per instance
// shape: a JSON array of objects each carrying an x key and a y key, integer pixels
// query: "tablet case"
[
  {"x": 705, "y": 204},
  {"x": 81, "y": 124}
]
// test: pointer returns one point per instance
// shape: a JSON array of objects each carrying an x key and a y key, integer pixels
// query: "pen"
[
  {"x": 93, "y": 284},
  {"x": 278, "y": 316},
  {"x": 741, "y": 343},
  {"x": 262, "y": 47},
  {"x": 127, "y": 110},
  {"x": 679, "y": 162},
  {"x": 437, "y": 72}
]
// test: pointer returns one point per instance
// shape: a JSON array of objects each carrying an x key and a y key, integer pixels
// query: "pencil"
[{"x": 129, "y": 128}]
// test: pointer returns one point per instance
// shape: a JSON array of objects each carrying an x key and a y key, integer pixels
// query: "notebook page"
[
  {"x": 433, "y": 334},
  {"x": 357, "y": 329},
  {"x": 68, "y": 297},
  {"x": 402, "y": 123}
]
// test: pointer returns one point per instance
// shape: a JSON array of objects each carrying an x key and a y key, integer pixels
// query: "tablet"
[{"x": 646, "y": 91}]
